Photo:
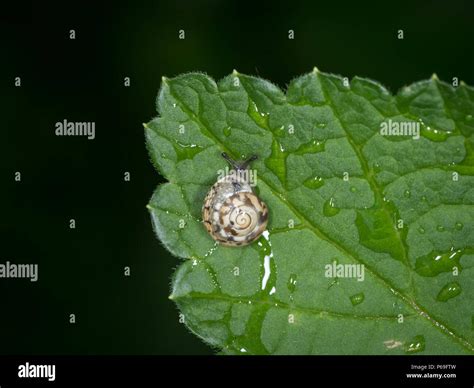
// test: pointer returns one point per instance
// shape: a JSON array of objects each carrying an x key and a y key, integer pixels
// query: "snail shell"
[{"x": 232, "y": 213}]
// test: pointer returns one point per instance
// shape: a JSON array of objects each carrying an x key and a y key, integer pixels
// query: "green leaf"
[{"x": 341, "y": 195}]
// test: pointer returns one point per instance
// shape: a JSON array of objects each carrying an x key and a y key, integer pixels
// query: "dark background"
[{"x": 81, "y": 270}]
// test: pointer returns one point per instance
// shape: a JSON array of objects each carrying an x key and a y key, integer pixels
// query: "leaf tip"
[
  {"x": 434, "y": 77},
  {"x": 164, "y": 80},
  {"x": 235, "y": 72},
  {"x": 316, "y": 70},
  {"x": 171, "y": 297}
]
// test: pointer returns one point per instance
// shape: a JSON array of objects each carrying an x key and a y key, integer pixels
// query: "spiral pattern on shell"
[{"x": 238, "y": 220}]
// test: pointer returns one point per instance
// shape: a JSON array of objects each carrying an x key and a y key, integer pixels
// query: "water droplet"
[
  {"x": 314, "y": 183},
  {"x": 375, "y": 225},
  {"x": 449, "y": 291},
  {"x": 458, "y": 225},
  {"x": 292, "y": 283},
  {"x": 322, "y": 125},
  {"x": 279, "y": 132},
  {"x": 415, "y": 345},
  {"x": 357, "y": 298},
  {"x": 437, "y": 262},
  {"x": 468, "y": 117},
  {"x": 261, "y": 118},
  {"x": 266, "y": 254},
  {"x": 434, "y": 134},
  {"x": 421, "y": 230},
  {"x": 227, "y": 131},
  {"x": 353, "y": 189},
  {"x": 186, "y": 151},
  {"x": 329, "y": 208},
  {"x": 376, "y": 167},
  {"x": 407, "y": 193},
  {"x": 311, "y": 147},
  {"x": 440, "y": 228},
  {"x": 423, "y": 198}
]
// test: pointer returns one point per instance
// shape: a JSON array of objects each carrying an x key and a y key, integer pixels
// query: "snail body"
[{"x": 232, "y": 214}]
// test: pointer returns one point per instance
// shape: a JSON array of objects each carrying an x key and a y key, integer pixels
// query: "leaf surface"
[{"x": 341, "y": 194}]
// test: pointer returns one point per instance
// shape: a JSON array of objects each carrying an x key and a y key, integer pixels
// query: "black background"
[{"x": 81, "y": 270}]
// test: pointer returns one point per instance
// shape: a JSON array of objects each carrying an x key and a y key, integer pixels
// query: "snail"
[{"x": 232, "y": 213}]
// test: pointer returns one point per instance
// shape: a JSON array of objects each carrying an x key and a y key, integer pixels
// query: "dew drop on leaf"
[
  {"x": 415, "y": 345},
  {"x": 449, "y": 291},
  {"x": 314, "y": 183},
  {"x": 292, "y": 283},
  {"x": 279, "y": 132},
  {"x": 311, "y": 147},
  {"x": 329, "y": 208},
  {"x": 261, "y": 118},
  {"x": 434, "y": 134},
  {"x": 437, "y": 262},
  {"x": 357, "y": 298},
  {"x": 266, "y": 256}
]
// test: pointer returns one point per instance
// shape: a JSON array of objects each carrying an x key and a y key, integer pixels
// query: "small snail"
[{"x": 232, "y": 214}]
